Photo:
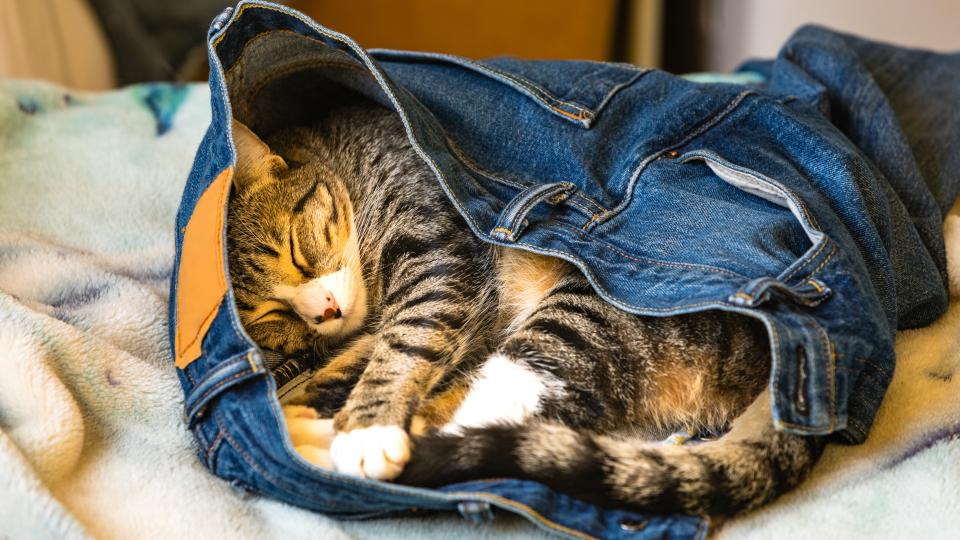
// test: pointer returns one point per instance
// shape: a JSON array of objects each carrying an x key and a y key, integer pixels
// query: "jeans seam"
[
  {"x": 186, "y": 372},
  {"x": 833, "y": 251},
  {"x": 544, "y": 95},
  {"x": 804, "y": 261},
  {"x": 534, "y": 514},
  {"x": 679, "y": 265},
  {"x": 299, "y": 66},
  {"x": 701, "y": 128},
  {"x": 517, "y": 183},
  {"x": 220, "y": 383},
  {"x": 611, "y": 299},
  {"x": 831, "y": 370},
  {"x": 212, "y": 448},
  {"x": 876, "y": 367},
  {"x": 243, "y": 454},
  {"x": 511, "y": 181}
]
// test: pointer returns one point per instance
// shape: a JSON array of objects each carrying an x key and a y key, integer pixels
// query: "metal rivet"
[
  {"x": 633, "y": 525},
  {"x": 672, "y": 154}
]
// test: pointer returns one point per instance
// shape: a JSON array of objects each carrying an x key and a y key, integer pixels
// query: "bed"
[{"x": 92, "y": 442}]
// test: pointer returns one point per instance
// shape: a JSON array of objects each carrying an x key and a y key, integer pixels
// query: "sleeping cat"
[{"x": 451, "y": 359}]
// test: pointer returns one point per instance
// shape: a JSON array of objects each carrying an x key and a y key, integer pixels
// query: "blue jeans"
[{"x": 812, "y": 201}]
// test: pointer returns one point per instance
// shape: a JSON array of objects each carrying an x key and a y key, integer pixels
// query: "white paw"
[
  {"x": 376, "y": 452},
  {"x": 504, "y": 393},
  {"x": 311, "y": 435}
]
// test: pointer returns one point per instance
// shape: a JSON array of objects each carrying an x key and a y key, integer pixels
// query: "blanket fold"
[{"x": 92, "y": 442}]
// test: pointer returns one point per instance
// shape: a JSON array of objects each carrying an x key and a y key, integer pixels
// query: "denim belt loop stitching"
[
  {"x": 513, "y": 220},
  {"x": 234, "y": 370},
  {"x": 478, "y": 512},
  {"x": 810, "y": 293}
]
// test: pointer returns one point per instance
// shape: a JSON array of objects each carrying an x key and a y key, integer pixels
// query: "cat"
[{"x": 453, "y": 359}]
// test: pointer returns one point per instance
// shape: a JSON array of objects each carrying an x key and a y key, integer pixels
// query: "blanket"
[{"x": 92, "y": 441}]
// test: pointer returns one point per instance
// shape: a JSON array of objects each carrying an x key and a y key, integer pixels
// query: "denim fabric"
[{"x": 812, "y": 201}]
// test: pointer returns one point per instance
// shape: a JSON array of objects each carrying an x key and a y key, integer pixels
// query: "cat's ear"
[{"x": 255, "y": 161}]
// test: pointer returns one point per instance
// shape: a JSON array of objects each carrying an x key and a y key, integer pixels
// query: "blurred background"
[{"x": 98, "y": 44}]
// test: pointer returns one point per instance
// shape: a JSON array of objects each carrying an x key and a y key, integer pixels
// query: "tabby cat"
[{"x": 452, "y": 359}]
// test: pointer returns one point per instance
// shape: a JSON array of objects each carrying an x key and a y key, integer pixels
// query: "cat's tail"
[{"x": 749, "y": 466}]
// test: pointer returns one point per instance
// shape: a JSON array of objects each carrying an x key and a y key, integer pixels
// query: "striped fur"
[{"x": 482, "y": 361}]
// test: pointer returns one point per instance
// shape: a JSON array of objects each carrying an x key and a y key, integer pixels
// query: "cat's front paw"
[
  {"x": 311, "y": 435},
  {"x": 375, "y": 452}
]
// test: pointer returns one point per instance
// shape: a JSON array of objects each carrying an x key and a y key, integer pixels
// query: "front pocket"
[
  {"x": 576, "y": 91},
  {"x": 700, "y": 211},
  {"x": 768, "y": 189}
]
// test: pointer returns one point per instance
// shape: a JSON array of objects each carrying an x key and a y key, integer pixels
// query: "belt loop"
[
  {"x": 236, "y": 369},
  {"x": 513, "y": 219},
  {"x": 478, "y": 512},
  {"x": 810, "y": 293},
  {"x": 804, "y": 380}
]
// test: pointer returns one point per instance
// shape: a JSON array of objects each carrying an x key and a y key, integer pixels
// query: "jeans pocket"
[{"x": 764, "y": 187}]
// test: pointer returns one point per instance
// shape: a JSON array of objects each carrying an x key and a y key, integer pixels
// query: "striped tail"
[{"x": 749, "y": 466}]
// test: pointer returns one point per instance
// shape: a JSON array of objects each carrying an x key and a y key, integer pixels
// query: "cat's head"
[{"x": 293, "y": 250}]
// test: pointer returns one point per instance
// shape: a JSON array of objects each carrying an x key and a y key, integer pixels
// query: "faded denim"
[{"x": 813, "y": 201}]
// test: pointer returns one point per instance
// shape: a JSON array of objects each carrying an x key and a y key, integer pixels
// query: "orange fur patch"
[{"x": 525, "y": 279}]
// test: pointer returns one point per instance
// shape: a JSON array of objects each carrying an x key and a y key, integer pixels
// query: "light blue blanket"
[{"x": 91, "y": 438}]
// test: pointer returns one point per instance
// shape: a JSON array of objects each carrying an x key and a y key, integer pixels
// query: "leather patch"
[{"x": 201, "y": 280}]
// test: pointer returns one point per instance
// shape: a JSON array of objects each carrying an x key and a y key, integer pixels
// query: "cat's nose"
[
  {"x": 328, "y": 314},
  {"x": 327, "y": 308},
  {"x": 317, "y": 304}
]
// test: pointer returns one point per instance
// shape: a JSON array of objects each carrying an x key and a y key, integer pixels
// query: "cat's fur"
[{"x": 496, "y": 362}]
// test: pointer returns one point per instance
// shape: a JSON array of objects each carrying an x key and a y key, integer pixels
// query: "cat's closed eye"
[
  {"x": 297, "y": 258},
  {"x": 272, "y": 311}
]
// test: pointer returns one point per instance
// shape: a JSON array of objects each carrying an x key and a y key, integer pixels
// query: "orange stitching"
[
  {"x": 536, "y": 515},
  {"x": 504, "y": 230},
  {"x": 220, "y": 383},
  {"x": 591, "y": 201},
  {"x": 824, "y": 263},
  {"x": 580, "y": 206},
  {"x": 580, "y": 116},
  {"x": 212, "y": 448},
  {"x": 510, "y": 180},
  {"x": 875, "y": 366},
  {"x": 806, "y": 261},
  {"x": 222, "y": 203},
  {"x": 593, "y": 219},
  {"x": 203, "y": 323},
  {"x": 253, "y": 364},
  {"x": 246, "y": 457}
]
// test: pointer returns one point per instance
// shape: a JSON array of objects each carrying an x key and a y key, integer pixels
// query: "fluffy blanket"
[{"x": 92, "y": 443}]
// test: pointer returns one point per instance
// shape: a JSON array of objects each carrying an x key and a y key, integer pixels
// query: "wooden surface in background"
[{"x": 581, "y": 29}]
